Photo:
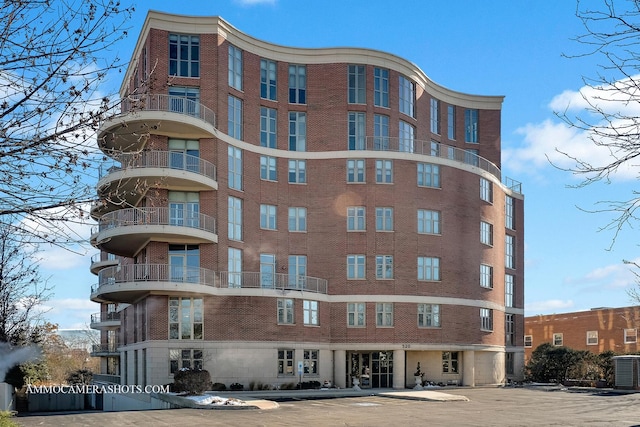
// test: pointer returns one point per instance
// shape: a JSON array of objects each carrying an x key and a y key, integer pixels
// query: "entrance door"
[{"x": 373, "y": 369}]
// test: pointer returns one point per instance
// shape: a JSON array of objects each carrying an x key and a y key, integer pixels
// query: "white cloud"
[
  {"x": 548, "y": 306},
  {"x": 613, "y": 276}
]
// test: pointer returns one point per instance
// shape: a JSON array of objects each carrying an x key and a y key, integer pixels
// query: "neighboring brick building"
[
  {"x": 272, "y": 209},
  {"x": 596, "y": 330}
]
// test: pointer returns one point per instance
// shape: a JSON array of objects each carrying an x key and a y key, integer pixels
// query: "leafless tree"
[
  {"x": 54, "y": 55},
  {"x": 611, "y": 118}
]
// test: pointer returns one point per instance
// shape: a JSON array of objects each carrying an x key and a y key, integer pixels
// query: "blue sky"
[{"x": 497, "y": 47}]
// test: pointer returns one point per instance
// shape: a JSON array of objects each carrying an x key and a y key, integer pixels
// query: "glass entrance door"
[{"x": 373, "y": 369}]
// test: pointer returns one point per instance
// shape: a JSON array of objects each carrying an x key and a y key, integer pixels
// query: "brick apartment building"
[
  {"x": 596, "y": 330},
  {"x": 271, "y": 211}
]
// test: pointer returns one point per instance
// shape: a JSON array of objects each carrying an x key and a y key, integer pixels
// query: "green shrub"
[
  {"x": 236, "y": 387},
  {"x": 5, "y": 419},
  {"x": 218, "y": 387},
  {"x": 81, "y": 376},
  {"x": 191, "y": 381}
]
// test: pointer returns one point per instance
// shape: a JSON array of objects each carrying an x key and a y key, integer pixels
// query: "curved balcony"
[
  {"x": 130, "y": 282},
  {"x": 105, "y": 320},
  {"x": 100, "y": 261},
  {"x": 160, "y": 114},
  {"x": 103, "y": 350},
  {"x": 125, "y": 231}
]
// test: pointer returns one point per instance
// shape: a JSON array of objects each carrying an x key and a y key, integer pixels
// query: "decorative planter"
[
  {"x": 418, "y": 383},
  {"x": 356, "y": 383}
]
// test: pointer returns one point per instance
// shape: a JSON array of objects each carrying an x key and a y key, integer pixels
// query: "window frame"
[
  {"x": 428, "y": 269},
  {"x": 528, "y": 341},
  {"x": 193, "y": 42},
  {"x": 356, "y": 267},
  {"x": 268, "y": 79},
  {"x": 356, "y": 315},
  {"x": 195, "y": 316},
  {"x": 451, "y": 122},
  {"x": 286, "y": 311},
  {"x": 384, "y": 219},
  {"x": 297, "y": 171},
  {"x": 356, "y": 84},
  {"x": 628, "y": 335},
  {"x": 297, "y": 84},
  {"x": 356, "y": 171},
  {"x": 286, "y": 366},
  {"x": 235, "y": 65},
  {"x": 268, "y": 168},
  {"x": 234, "y": 218},
  {"x": 268, "y": 127},
  {"x": 471, "y": 117},
  {"x": 384, "y": 267},
  {"x": 434, "y": 116},
  {"x": 384, "y": 171},
  {"x": 268, "y": 217},
  {"x": 428, "y": 175},
  {"x": 428, "y": 315},
  {"x": 592, "y": 338},
  {"x": 486, "y": 276},
  {"x": 234, "y": 176},
  {"x": 356, "y": 218},
  {"x": 557, "y": 339},
  {"x": 356, "y": 130},
  {"x": 429, "y": 222},
  {"x": 406, "y": 96},
  {"x": 297, "y": 131},
  {"x": 299, "y": 219},
  {"x": 384, "y": 315},
  {"x": 450, "y": 362},
  {"x": 486, "y": 190},
  {"x": 486, "y": 319},
  {"x": 486, "y": 233},
  {"x": 381, "y": 87},
  {"x": 310, "y": 310}
]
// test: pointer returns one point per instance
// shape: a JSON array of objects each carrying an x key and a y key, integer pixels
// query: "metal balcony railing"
[
  {"x": 137, "y": 273},
  {"x": 157, "y": 216},
  {"x": 169, "y": 103},
  {"x": 99, "y": 257},
  {"x": 105, "y": 317},
  {"x": 160, "y": 159},
  {"x": 104, "y": 348}
]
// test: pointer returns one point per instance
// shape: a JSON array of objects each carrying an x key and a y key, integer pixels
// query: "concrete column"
[
  {"x": 399, "y": 369},
  {"x": 339, "y": 368},
  {"x": 469, "y": 368}
]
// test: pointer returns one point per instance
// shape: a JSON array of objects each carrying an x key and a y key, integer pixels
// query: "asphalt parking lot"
[{"x": 529, "y": 406}]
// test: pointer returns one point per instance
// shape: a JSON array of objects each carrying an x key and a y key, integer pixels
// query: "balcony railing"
[
  {"x": 160, "y": 159},
  {"x": 157, "y": 216},
  {"x": 168, "y": 103},
  {"x": 106, "y": 378},
  {"x": 170, "y": 273},
  {"x": 104, "y": 349},
  {"x": 105, "y": 317}
]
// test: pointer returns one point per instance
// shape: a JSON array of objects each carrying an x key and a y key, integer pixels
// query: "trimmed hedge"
[{"x": 192, "y": 381}]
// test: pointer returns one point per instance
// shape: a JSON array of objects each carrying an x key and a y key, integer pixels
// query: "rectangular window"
[
  {"x": 471, "y": 157},
  {"x": 384, "y": 219},
  {"x": 428, "y": 222},
  {"x": 486, "y": 233},
  {"x": 285, "y": 362},
  {"x": 297, "y": 171},
  {"x": 384, "y": 314},
  {"x": 297, "y": 131},
  {"x": 486, "y": 319},
  {"x": 356, "y": 220},
  {"x": 356, "y": 129},
  {"x": 384, "y": 267},
  {"x": 509, "y": 251},
  {"x": 184, "y": 55},
  {"x": 592, "y": 337},
  {"x": 471, "y": 126},
  {"x": 451, "y": 122},
  {"x": 285, "y": 311},
  {"x": 268, "y": 217},
  {"x": 509, "y": 363},
  {"x": 405, "y": 137},
  {"x": 355, "y": 170},
  {"x": 428, "y": 315},
  {"x": 268, "y": 72},
  {"x": 184, "y": 359},
  {"x": 268, "y": 126},
  {"x": 486, "y": 190},
  {"x": 384, "y": 171},
  {"x": 428, "y": 175},
  {"x": 381, "y": 87},
  {"x": 185, "y": 318},
  {"x": 558, "y": 340},
  {"x": 630, "y": 336},
  {"x": 528, "y": 341},
  {"x": 297, "y": 219},
  {"x": 235, "y": 218},
  {"x": 184, "y": 263},
  {"x": 509, "y": 330},
  {"x": 184, "y": 208},
  {"x": 268, "y": 170},
  {"x": 435, "y": 149},
  {"x": 356, "y": 314},
  {"x": 509, "y": 283},
  {"x": 310, "y": 312},
  {"x": 357, "y": 87},
  {"x": 235, "y": 67},
  {"x": 380, "y": 132},
  {"x": 297, "y": 271},
  {"x": 356, "y": 267},
  {"x": 407, "y": 94},
  {"x": 428, "y": 268},
  {"x": 297, "y": 84},
  {"x": 267, "y": 270},
  {"x": 235, "y": 117},
  {"x": 509, "y": 212},
  {"x": 435, "y": 116},
  {"x": 184, "y": 100},
  {"x": 310, "y": 362},
  {"x": 235, "y": 168},
  {"x": 450, "y": 362},
  {"x": 235, "y": 267},
  {"x": 486, "y": 276}
]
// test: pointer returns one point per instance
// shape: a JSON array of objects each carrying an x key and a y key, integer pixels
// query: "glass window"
[
  {"x": 471, "y": 126},
  {"x": 509, "y": 212},
  {"x": 184, "y": 154},
  {"x": 268, "y": 217},
  {"x": 184, "y": 100},
  {"x": 355, "y": 170},
  {"x": 434, "y": 149},
  {"x": 235, "y": 267},
  {"x": 509, "y": 282},
  {"x": 357, "y": 88},
  {"x": 407, "y": 96},
  {"x": 297, "y": 219},
  {"x": 186, "y": 318},
  {"x": 428, "y": 268},
  {"x": 380, "y": 87},
  {"x": 380, "y": 132},
  {"x": 268, "y": 126},
  {"x": 235, "y": 168},
  {"x": 184, "y": 55},
  {"x": 528, "y": 341},
  {"x": 486, "y": 233},
  {"x": 356, "y": 122},
  {"x": 384, "y": 266},
  {"x": 297, "y": 84},
  {"x": 184, "y": 263},
  {"x": 285, "y": 362},
  {"x": 509, "y": 330},
  {"x": 630, "y": 336},
  {"x": 356, "y": 220},
  {"x": 235, "y": 219},
  {"x": 486, "y": 190},
  {"x": 486, "y": 276},
  {"x": 356, "y": 267},
  {"x": 285, "y": 311},
  {"x": 428, "y": 175},
  {"x": 471, "y": 157},
  {"x": 384, "y": 219},
  {"x": 451, "y": 122},
  {"x": 297, "y": 131},
  {"x": 509, "y": 252},
  {"x": 268, "y": 170},
  {"x": 356, "y": 314},
  {"x": 384, "y": 314},
  {"x": 185, "y": 359},
  {"x": 310, "y": 362},
  {"x": 405, "y": 137},
  {"x": 486, "y": 319},
  {"x": 235, "y": 117},
  {"x": 235, "y": 67},
  {"x": 450, "y": 362},
  {"x": 297, "y": 271},
  {"x": 267, "y": 270},
  {"x": 310, "y": 312},
  {"x": 592, "y": 337},
  {"x": 184, "y": 208},
  {"x": 428, "y": 315},
  {"x": 558, "y": 340},
  {"x": 435, "y": 116},
  {"x": 428, "y": 222},
  {"x": 268, "y": 72},
  {"x": 297, "y": 171},
  {"x": 384, "y": 171}
]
